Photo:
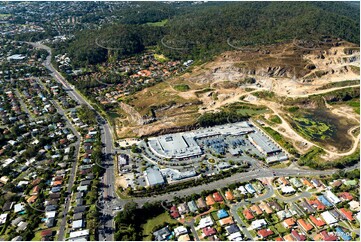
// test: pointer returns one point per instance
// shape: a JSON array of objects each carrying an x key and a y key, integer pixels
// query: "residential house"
[
  {"x": 226, "y": 221},
  {"x": 16, "y": 221},
  {"x": 283, "y": 181},
  {"x": 264, "y": 233},
  {"x": 332, "y": 197},
  {"x": 248, "y": 214},
  {"x": 289, "y": 223},
  {"x": 296, "y": 182},
  {"x": 325, "y": 236},
  {"x": 184, "y": 237},
  {"x": 258, "y": 223},
  {"x": 346, "y": 214},
  {"x": 229, "y": 195},
  {"x": 298, "y": 236},
  {"x": 209, "y": 231},
  {"x": 354, "y": 206},
  {"x": 233, "y": 228},
  {"x": 306, "y": 207},
  {"x": 345, "y": 196},
  {"x": 255, "y": 209},
  {"x": 204, "y": 222},
  {"x": 317, "y": 204},
  {"x": 249, "y": 188},
  {"x": 192, "y": 206},
  {"x": 304, "y": 225},
  {"x": 288, "y": 237},
  {"x": 209, "y": 200},
  {"x": 183, "y": 208},
  {"x": 264, "y": 206},
  {"x": 317, "y": 221},
  {"x": 217, "y": 197},
  {"x": 180, "y": 231},
  {"x": 328, "y": 218},
  {"x": 222, "y": 214},
  {"x": 341, "y": 233},
  {"x": 324, "y": 200},
  {"x": 274, "y": 205},
  {"x": 316, "y": 182},
  {"x": 162, "y": 234},
  {"x": 174, "y": 212},
  {"x": 201, "y": 204}
]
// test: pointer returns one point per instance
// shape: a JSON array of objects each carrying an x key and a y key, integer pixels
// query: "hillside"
[{"x": 204, "y": 30}]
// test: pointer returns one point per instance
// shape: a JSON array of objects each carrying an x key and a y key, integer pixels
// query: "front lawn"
[{"x": 152, "y": 223}]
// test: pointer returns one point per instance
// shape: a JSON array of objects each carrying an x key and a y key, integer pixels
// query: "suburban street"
[
  {"x": 111, "y": 202},
  {"x": 107, "y": 230}
]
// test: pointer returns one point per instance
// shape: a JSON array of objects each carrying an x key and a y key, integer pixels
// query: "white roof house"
[
  {"x": 18, "y": 208},
  {"x": 3, "y": 218},
  {"x": 80, "y": 233},
  {"x": 204, "y": 222},
  {"x": 332, "y": 197},
  {"x": 77, "y": 224},
  {"x": 50, "y": 214},
  {"x": 242, "y": 190},
  {"x": 287, "y": 189},
  {"x": 235, "y": 236},
  {"x": 328, "y": 218},
  {"x": 258, "y": 223},
  {"x": 180, "y": 230}
]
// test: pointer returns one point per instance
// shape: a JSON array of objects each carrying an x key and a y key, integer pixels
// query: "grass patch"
[
  {"x": 355, "y": 104},
  {"x": 281, "y": 165},
  {"x": 339, "y": 84},
  {"x": 323, "y": 127},
  {"x": 312, "y": 129},
  {"x": 293, "y": 109},
  {"x": 205, "y": 90},
  {"x": 161, "y": 58},
  {"x": 280, "y": 140},
  {"x": 311, "y": 158},
  {"x": 280, "y": 228},
  {"x": 275, "y": 119},
  {"x": 37, "y": 236},
  {"x": 152, "y": 223},
  {"x": 214, "y": 215},
  {"x": 182, "y": 87},
  {"x": 158, "y": 24}
]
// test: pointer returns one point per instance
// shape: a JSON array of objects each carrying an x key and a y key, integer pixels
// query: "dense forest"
[{"x": 203, "y": 30}]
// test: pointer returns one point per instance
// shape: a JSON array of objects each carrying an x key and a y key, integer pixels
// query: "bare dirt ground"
[{"x": 286, "y": 69}]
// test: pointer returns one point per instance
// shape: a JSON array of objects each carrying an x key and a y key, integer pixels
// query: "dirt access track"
[{"x": 287, "y": 69}]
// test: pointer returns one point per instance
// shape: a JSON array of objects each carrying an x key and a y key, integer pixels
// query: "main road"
[
  {"x": 108, "y": 193},
  {"x": 109, "y": 196}
]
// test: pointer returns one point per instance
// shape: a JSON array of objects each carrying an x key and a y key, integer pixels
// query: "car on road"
[{"x": 117, "y": 208}]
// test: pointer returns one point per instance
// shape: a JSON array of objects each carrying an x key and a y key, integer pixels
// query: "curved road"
[
  {"x": 106, "y": 232},
  {"x": 107, "y": 139}
]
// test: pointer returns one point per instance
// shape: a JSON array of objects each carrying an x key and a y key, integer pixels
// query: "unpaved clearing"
[{"x": 288, "y": 70}]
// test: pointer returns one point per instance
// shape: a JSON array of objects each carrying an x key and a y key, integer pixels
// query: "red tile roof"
[
  {"x": 229, "y": 195},
  {"x": 327, "y": 236},
  {"x": 345, "y": 196},
  {"x": 317, "y": 221},
  {"x": 298, "y": 236},
  {"x": 316, "y": 203},
  {"x": 217, "y": 197},
  {"x": 247, "y": 213},
  {"x": 209, "y": 200},
  {"x": 265, "y": 233},
  {"x": 347, "y": 214},
  {"x": 208, "y": 231},
  {"x": 174, "y": 212},
  {"x": 289, "y": 222},
  {"x": 305, "y": 225}
]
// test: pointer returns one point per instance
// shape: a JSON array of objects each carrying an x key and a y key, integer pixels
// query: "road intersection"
[{"x": 110, "y": 202}]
